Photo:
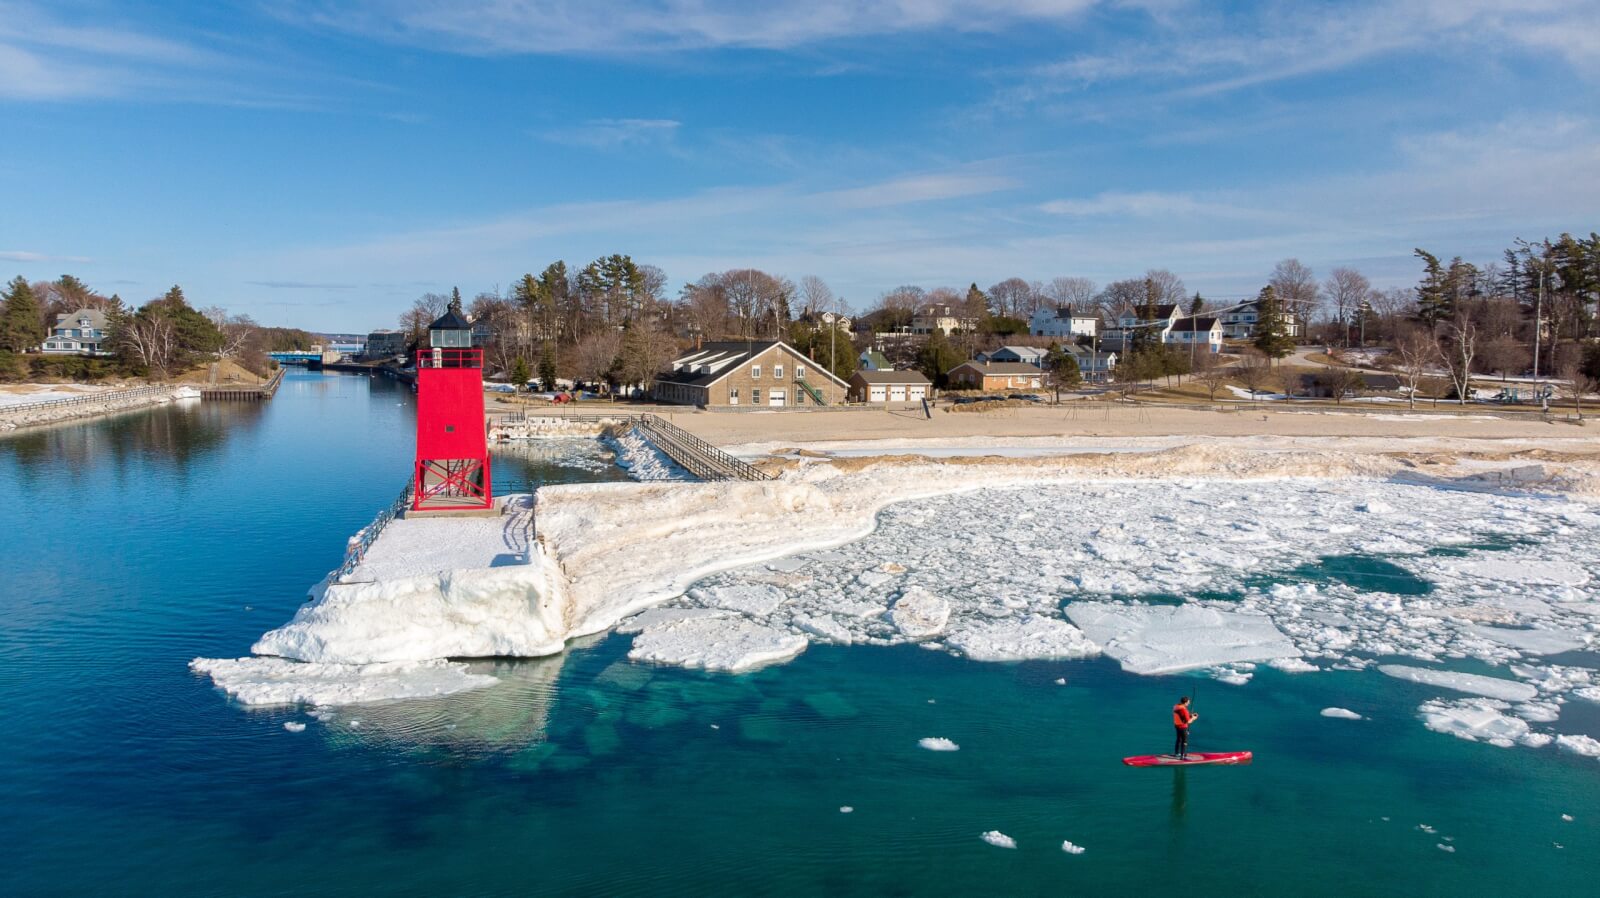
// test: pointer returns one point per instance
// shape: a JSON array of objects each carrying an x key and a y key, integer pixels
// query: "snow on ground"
[
  {"x": 642, "y": 460},
  {"x": 274, "y": 681},
  {"x": 25, "y": 394}
]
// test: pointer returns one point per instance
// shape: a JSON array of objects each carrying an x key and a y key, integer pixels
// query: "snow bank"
[
  {"x": 642, "y": 460},
  {"x": 728, "y": 644},
  {"x": 1157, "y": 639},
  {"x": 938, "y": 743},
  {"x": 274, "y": 681},
  {"x": 1474, "y": 684}
]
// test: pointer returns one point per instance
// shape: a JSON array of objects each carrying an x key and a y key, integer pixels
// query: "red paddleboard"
[{"x": 1194, "y": 758}]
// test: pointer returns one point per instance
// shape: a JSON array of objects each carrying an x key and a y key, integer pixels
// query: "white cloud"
[
  {"x": 583, "y": 26},
  {"x": 611, "y": 133},
  {"x": 25, "y": 256}
]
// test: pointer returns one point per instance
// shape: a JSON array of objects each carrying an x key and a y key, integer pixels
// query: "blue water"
[{"x": 135, "y": 544}]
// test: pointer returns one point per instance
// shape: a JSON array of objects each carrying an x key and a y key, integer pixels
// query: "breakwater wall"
[{"x": 33, "y": 414}]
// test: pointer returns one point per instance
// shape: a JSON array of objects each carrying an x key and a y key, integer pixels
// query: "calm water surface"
[{"x": 134, "y": 544}]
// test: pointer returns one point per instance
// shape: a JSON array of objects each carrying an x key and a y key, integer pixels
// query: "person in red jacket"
[{"x": 1181, "y": 718}]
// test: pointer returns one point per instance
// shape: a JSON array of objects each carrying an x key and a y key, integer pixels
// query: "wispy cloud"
[
  {"x": 302, "y": 285},
  {"x": 18, "y": 255},
  {"x": 43, "y": 57},
  {"x": 612, "y": 133},
  {"x": 920, "y": 189},
  {"x": 581, "y": 26}
]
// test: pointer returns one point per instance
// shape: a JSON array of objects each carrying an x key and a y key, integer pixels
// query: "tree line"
[{"x": 163, "y": 338}]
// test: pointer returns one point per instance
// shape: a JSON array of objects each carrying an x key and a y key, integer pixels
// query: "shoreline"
[{"x": 22, "y": 416}]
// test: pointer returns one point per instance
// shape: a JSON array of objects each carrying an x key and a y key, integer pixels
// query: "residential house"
[
  {"x": 1063, "y": 323},
  {"x": 888, "y": 387},
  {"x": 995, "y": 376},
  {"x": 765, "y": 373},
  {"x": 943, "y": 319},
  {"x": 83, "y": 332},
  {"x": 1094, "y": 363},
  {"x": 1131, "y": 325},
  {"x": 1197, "y": 331},
  {"x": 827, "y": 319},
  {"x": 873, "y": 360},
  {"x": 1027, "y": 355},
  {"x": 1239, "y": 322}
]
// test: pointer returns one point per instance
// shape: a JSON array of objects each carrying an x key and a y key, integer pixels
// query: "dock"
[{"x": 257, "y": 392}]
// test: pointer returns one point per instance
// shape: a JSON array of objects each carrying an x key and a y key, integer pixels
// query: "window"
[
  {"x": 755, "y": 397},
  {"x": 777, "y": 372},
  {"x": 755, "y": 373},
  {"x": 733, "y": 395},
  {"x": 799, "y": 372}
]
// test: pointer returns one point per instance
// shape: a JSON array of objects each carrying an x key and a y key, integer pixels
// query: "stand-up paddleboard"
[{"x": 1194, "y": 758}]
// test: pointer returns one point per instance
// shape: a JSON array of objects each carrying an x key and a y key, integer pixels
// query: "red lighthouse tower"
[{"x": 452, "y": 471}]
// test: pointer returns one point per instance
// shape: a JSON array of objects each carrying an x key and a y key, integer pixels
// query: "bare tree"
[
  {"x": 1296, "y": 287},
  {"x": 1011, "y": 297},
  {"x": 594, "y": 356},
  {"x": 1504, "y": 356},
  {"x": 1576, "y": 382},
  {"x": 1211, "y": 373},
  {"x": 1257, "y": 373},
  {"x": 816, "y": 296},
  {"x": 1461, "y": 345},
  {"x": 1162, "y": 287},
  {"x": 1346, "y": 289},
  {"x": 152, "y": 340},
  {"x": 1339, "y": 380},
  {"x": 1416, "y": 354},
  {"x": 1077, "y": 293}
]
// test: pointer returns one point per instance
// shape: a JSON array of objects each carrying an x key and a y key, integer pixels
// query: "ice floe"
[
  {"x": 1153, "y": 639},
  {"x": 1587, "y": 746},
  {"x": 729, "y": 644},
  {"x": 275, "y": 681},
  {"x": 998, "y": 839},
  {"x": 1031, "y": 636},
  {"x": 1479, "y": 719},
  {"x": 1341, "y": 713},
  {"x": 1474, "y": 684},
  {"x": 1071, "y": 848},
  {"x": 918, "y": 614},
  {"x": 294, "y": 726},
  {"x": 938, "y": 743}
]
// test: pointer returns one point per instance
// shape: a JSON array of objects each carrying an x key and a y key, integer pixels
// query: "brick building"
[{"x": 764, "y": 373}]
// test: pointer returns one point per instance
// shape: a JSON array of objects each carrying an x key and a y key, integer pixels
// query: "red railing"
[{"x": 450, "y": 358}]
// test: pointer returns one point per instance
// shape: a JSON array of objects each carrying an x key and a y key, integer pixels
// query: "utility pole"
[{"x": 1538, "y": 323}]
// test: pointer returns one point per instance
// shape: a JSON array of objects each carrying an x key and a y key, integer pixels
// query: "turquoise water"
[{"x": 135, "y": 544}]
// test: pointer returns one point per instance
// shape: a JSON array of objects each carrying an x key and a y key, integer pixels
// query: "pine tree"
[
  {"x": 547, "y": 367},
  {"x": 1063, "y": 367},
  {"x": 1434, "y": 302},
  {"x": 1197, "y": 305},
  {"x": 937, "y": 357},
  {"x": 520, "y": 372},
  {"x": 22, "y": 320},
  {"x": 1271, "y": 336}
]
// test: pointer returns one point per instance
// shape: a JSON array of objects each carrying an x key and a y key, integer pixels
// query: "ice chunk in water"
[
  {"x": 1070, "y": 848},
  {"x": 1579, "y": 745},
  {"x": 294, "y": 726},
  {"x": 999, "y": 839},
  {"x": 919, "y": 614},
  {"x": 276, "y": 681},
  {"x": 1342, "y": 713},
  {"x": 938, "y": 743},
  {"x": 1474, "y": 684},
  {"x": 1156, "y": 639},
  {"x": 1033, "y": 636},
  {"x": 730, "y": 644}
]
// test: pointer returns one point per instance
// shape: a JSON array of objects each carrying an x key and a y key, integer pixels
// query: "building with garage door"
[
  {"x": 743, "y": 374},
  {"x": 889, "y": 387}
]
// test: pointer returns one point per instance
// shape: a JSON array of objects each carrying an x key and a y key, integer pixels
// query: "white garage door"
[
  {"x": 897, "y": 394},
  {"x": 918, "y": 393},
  {"x": 876, "y": 394},
  {"x": 775, "y": 397}
]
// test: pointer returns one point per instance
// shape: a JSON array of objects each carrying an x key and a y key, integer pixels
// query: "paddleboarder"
[{"x": 1182, "y": 716}]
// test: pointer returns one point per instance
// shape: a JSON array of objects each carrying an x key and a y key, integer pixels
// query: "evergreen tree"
[
  {"x": 1063, "y": 368},
  {"x": 520, "y": 373},
  {"x": 1434, "y": 301},
  {"x": 1271, "y": 335},
  {"x": 547, "y": 367},
  {"x": 22, "y": 320},
  {"x": 936, "y": 357},
  {"x": 1197, "y": 305}
]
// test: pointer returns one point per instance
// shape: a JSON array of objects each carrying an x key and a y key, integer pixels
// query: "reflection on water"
[{"x": 177, "y": 434}]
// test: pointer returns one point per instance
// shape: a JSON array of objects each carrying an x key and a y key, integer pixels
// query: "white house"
[
  {"x": 1063, "y": 324},
  {"x": 1131, "y": 325},
  {"x": 1199, "y": 330},
  {"x": 941, "y": 318},
  {"x": 1239, "y": 323},
  {"x": 1095, "y": 364},
  {"x": 81, "y": 333}
]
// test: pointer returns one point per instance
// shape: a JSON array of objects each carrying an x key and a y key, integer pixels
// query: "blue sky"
[{"x": 321, "y": 164}]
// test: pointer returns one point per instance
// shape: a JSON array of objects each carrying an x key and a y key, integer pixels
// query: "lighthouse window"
[{"x": 449, "y": 428}]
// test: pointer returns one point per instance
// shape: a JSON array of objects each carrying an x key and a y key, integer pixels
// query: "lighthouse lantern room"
[{"x": 452, "y": 471}]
